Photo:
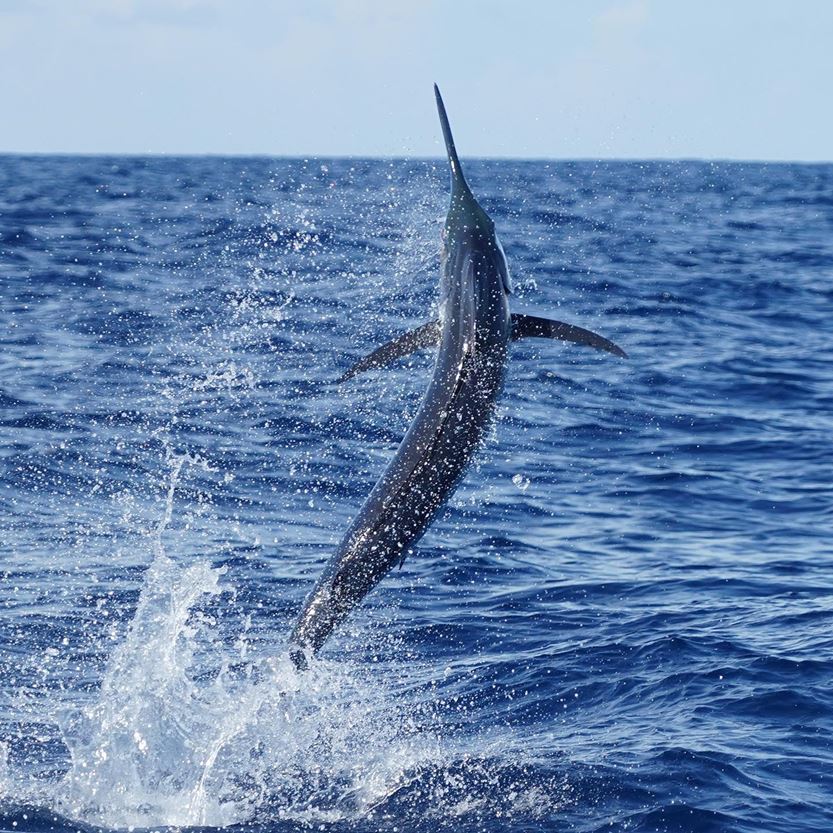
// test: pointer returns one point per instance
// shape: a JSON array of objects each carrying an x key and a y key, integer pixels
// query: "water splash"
[{"x": 185, "y": 731}]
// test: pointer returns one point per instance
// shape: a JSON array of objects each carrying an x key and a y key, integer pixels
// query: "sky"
[{"x": 574, "y": 79}]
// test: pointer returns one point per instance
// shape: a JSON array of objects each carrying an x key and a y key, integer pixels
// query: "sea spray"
[
  {"x": 141, "y": 739},
  {"x": 186, "y": 731}
]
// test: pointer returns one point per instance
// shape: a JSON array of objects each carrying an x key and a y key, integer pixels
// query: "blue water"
[{"x": 623, "y": 621}]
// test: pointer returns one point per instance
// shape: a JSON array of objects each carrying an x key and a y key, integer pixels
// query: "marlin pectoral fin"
[
  {"x": 530, "y": 326},
  {"x": 428, "y": 335}
]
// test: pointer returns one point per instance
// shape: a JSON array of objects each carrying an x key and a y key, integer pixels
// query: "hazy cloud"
[{"x": 626, "y": 78}]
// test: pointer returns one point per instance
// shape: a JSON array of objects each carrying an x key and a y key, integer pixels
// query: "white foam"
[{"x": 185, "y": 731}]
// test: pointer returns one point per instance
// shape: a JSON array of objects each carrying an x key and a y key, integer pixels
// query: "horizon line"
[{"x": 397, "y": 158}]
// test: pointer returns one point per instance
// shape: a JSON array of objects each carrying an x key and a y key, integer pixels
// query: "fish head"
[{"x": 470, "y": 244}]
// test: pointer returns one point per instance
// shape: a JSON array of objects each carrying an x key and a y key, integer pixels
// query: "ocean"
[{"x": 622, "y": 622}]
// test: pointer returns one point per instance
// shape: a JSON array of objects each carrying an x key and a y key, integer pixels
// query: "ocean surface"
[{"x": 622, "y": 622}]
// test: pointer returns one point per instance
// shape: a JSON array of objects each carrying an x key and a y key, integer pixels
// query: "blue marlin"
[{"x": 473, "y": 333}]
